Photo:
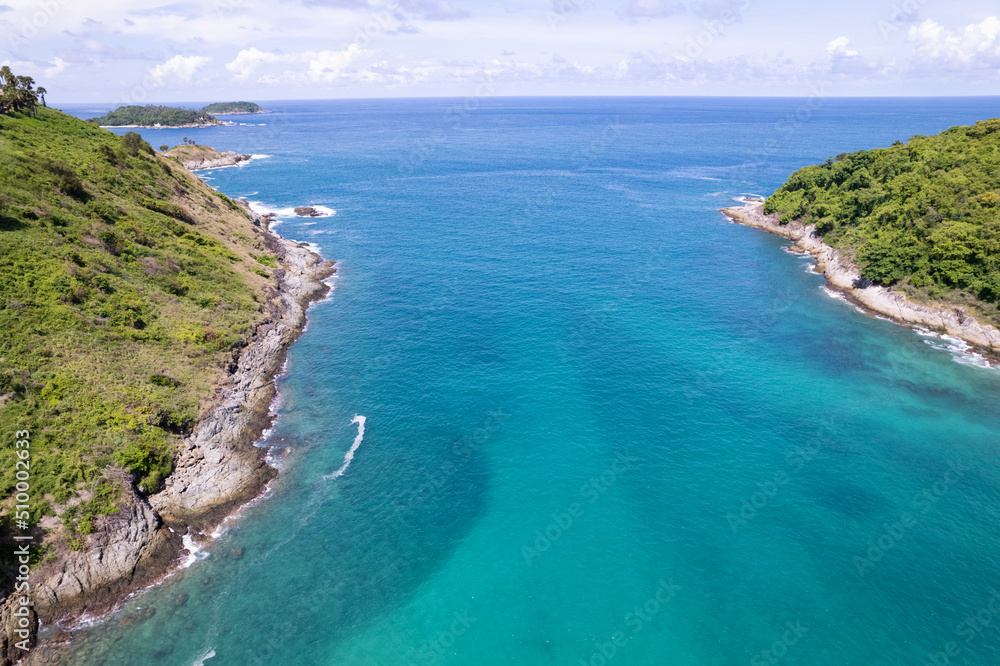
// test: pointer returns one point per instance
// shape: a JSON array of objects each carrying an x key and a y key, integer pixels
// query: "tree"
[
  {"x": 41, "y": 94},
  {"x": 133, "y": 144},
  {"x": 16, "y": 92},
  {"x": 164, "y": 148}
]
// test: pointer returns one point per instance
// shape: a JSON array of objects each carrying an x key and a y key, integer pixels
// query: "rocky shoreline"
[
  {"x": 218, "y": 469},
  {"x": 185, "y": 126},
  {"x": 843, "y": 276},
  {"x": 228, "y": 158}
]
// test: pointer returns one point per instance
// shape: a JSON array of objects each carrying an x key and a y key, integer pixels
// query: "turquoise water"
[{"x": 604, "y": 425}]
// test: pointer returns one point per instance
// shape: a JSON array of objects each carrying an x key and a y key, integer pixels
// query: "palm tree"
[
  {"x": 16, "y": 92},
  {"x": 41, "y": 93}
]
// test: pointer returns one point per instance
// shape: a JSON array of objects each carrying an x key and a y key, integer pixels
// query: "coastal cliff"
[
  {"x": 217, "y": 469},
  {"x": 145, "y": 318},
  {"x": 845, "y": 277}
]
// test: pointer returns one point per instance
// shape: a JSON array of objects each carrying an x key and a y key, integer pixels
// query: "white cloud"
[
  {"x": 976, "y": 44},
  {"x": 327, "y": 66},
  {"x": 322, "y": 66},
  {"x": 181, "y": 67},
  {"x": 838, "y": 47},
  {"x": 57, "y": 66},
  {"x": 248, "y": 60}
]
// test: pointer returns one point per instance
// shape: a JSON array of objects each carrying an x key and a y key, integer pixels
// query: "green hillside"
[
  {"x": 233, "y": 108},
  {"x": 923, "y": 216},
  {"x": 127, "y": 287},
  {"x": 147, "y": 116}
]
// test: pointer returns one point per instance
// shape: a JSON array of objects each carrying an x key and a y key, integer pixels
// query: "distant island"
[
  {"x": 233, "y": 108},
  {"x": 910, "y": 231},
  {"x": 155, "y": 116}
]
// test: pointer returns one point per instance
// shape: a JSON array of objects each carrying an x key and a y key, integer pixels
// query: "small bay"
[{"x": 602, "y": 423}]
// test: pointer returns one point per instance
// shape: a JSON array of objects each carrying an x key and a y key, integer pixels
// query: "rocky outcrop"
[
  {"x": 217, "y": 468},
  {"x": 845, "y": 277},
  {"x": 127, "y": 549},
  {"x": 228, "y": 158},
  {"x": 11, "y": 642},
  {"x": 307, "y": 211}
]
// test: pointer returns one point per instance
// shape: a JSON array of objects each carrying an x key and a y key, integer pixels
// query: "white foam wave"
[
  {"x": 86, "y": 621},
  {"x": 360, "y": 420},
  {"x": 200, "y": 661},
  {"x": 322, "y": 210},
  {"x": 262, "y": 208},
  {"x": 834, "y": 294},
  {"x": 959, "y": 349},
  {"x": 195, "y": 552},
  {"x": 256, "y": 156}
]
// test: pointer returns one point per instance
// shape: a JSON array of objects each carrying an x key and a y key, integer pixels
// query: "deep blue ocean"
[{"x": 603, "y": 424}]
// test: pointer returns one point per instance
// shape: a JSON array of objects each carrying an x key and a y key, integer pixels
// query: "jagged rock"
[
  {"x": 10, "y": 624},
  {"x": 307, "y": 211},
  {"x": 228, "y": 158},
  {"x": 127, "y": 549}
]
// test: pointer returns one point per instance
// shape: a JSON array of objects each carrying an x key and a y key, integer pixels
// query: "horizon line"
[{"x": 55, "y": 104}]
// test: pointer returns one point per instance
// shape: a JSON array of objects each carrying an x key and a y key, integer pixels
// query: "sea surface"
[{"x": 602, "y": 424}]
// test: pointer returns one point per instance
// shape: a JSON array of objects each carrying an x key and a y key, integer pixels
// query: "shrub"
[
  {"x": 163, "y": 380},
  {"x": 148, "y": 461},
  {"x": 133, "y": 144}
]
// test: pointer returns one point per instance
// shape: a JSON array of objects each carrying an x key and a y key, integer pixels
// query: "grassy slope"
[
  {"x": 923, "y": 216},
  {"x": 127, "y": 286}
]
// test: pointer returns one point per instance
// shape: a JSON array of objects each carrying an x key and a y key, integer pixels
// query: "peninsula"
[
  {"x": 143, "y": 318},
  {"x": 911, "y": 231}
]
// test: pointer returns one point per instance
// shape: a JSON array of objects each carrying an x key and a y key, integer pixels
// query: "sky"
[{"x": 140, "y": 52}]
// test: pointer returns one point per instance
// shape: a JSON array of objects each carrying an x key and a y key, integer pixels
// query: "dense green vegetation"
[
  {"x": 924, "y": 216},
  {"x": 127, "y": 287},
  {"x": 17, "y": 93},
  {"x": 233, "y": 107},
  {"x": 147, "y": 116}
]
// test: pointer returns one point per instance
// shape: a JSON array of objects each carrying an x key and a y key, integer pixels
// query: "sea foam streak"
[
  {"x": 205, "y": 657},
  {"x": 360, "y": 420}
]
